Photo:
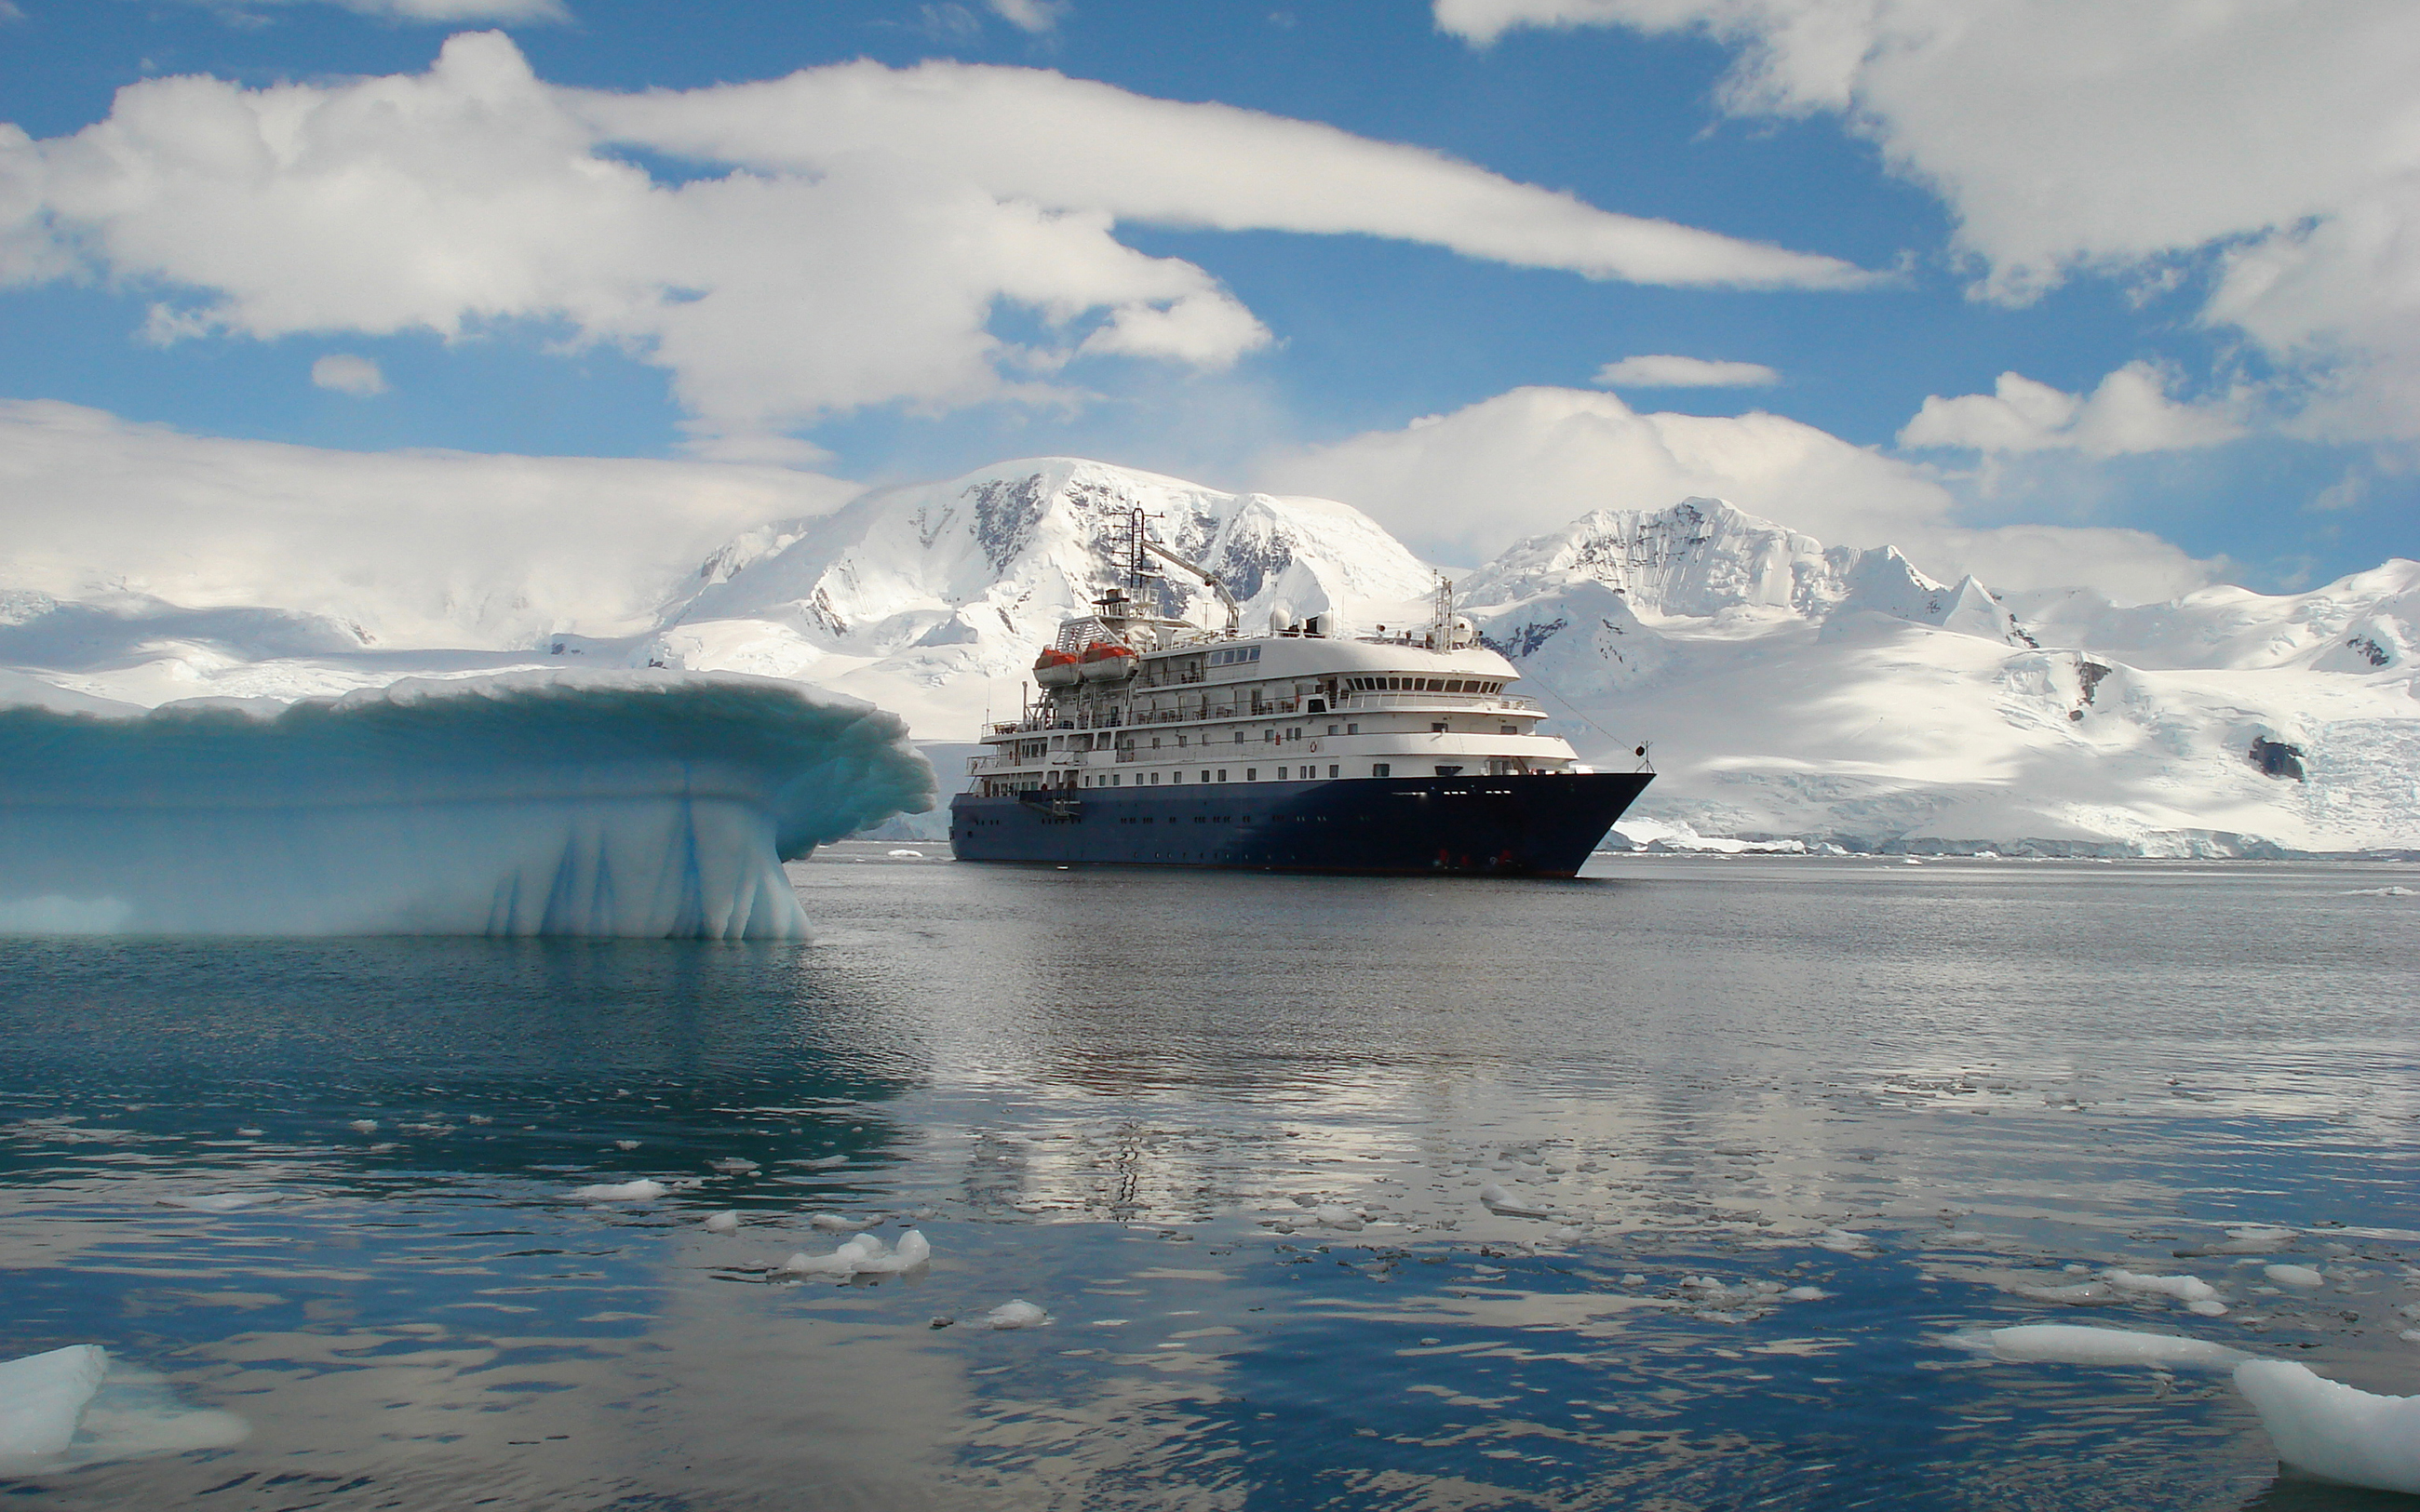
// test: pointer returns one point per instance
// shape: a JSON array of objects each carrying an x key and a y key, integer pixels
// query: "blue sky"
[{"x": 2272, "y": 437}]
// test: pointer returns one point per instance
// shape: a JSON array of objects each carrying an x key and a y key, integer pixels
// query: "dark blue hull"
[{"x": 1536, "y": 826}]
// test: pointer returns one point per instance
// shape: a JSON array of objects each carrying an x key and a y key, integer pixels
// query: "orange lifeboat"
[
  {"x": 1103, "y": 662},
  {"x": 1055, "y": 669}
]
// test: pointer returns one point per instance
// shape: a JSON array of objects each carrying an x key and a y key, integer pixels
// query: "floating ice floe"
[
  {"x": 642, "y": 1190},
  {"x": 912, "y": 856},
  {"x": 2197, "y": 1294},
  {"x": 42, "y": 1398},
  {"x": 363, "y": 1126},
  {"x": 2336, "y": 1430},
  {"x": 1844, "y": 1241},
  {"x": 625, "y": 1144},
  {"x": 2073, "y": 1344},
  {"x": 864, "y": 1255},
  {"x": 2295, "y": 1276},
  {"x": 722, "y": 1223},
  {"x": 249, "y": 1134},
  {"x": 2389, "y": 891},
  {"x": 1018, "y": 1314},
  {"x": 734, "y": 1165},
  {"x": 2080, "y": 1294},
  {"x": 218, "y": 1201},
  {"x": 76, "y": 1405},
  {"x": 1506, "y": 1203},
  {"x": 833, "y": 1223},
  {"x": 2254, "y": 1240}
]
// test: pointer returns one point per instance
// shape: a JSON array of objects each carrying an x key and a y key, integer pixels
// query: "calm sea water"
[{"x": 1796, "y": 1123}]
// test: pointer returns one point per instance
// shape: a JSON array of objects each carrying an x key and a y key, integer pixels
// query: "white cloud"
[
  {"x": 1074, "y": 144},
  {"x": 2129, "y": 412},
  {"x": 1684, "y": 373},
  {"x": 1469, "y": 484},
  {"x": 422, "y": 548},
  {"x": 2076, "y": 135},
  {"x": 871, "y": 223},
  {"x": 347, "y": 374},
  {"x": 1031, "y": 15}
]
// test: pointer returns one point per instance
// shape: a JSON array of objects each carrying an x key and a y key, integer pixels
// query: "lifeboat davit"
[
  {"x": 1105, "y": 663},
  {"x": 1055, "y": 669}
]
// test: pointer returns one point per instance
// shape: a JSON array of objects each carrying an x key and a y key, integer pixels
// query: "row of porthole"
[{"x": 1308, "y": 773}]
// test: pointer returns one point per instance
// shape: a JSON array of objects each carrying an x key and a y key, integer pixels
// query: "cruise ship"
[{"x": 1151, "y": 741}]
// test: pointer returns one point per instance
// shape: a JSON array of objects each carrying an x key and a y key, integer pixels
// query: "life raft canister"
[
  {"x": 1055, "y": 669},
  {"x": 1103, "y": 662}
]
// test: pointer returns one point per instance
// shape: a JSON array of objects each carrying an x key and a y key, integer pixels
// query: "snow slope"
[
  {"x": 1842, "y": 696},
  {"x": 1787, "y": 689}
]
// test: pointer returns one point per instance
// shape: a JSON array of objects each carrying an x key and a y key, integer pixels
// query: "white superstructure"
[{"x": 1127, "y": 700}]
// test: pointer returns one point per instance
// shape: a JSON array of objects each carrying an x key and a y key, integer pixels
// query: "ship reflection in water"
[{"x": 1667, "y": 1186}]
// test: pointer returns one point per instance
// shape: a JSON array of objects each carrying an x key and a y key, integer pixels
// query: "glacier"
[{"x": 589, "y": 802}]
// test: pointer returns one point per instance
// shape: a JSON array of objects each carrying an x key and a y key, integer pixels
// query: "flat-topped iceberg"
[{"x": 648, "y": 804}]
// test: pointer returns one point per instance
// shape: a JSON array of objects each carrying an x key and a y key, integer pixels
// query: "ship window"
[
  {"x": 1508, "y": 729},
  {"x": 1239, "y": 737},
  {"x": 1281, "y": 777},
  {"x": 1180, "y": 742},
  {"x": 1155, "y": 742},
  {"x": 1381, "y": 769},
  {"x": 1332, "y": 770},
  {"x": 1251, "y": 774},
  {"x": 1352, "y": 728},
  {"x": 1269, "y": 735},
  {"x": 1222, "y": 774},
  {"x": 1155, "y": 780}
]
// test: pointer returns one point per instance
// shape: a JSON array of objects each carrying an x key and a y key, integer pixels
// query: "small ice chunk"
[
  {"x": 42, "y": 1398},
  {"x": 249, "y": 1134},
  {"x": 625, "y": 1144},
  {"x": 912, "y": 856},
  {"x": 914, "y": 1250},
  {"x": 1340, "y": 1217},
  {"x": 481, "y": 1117},
  {"x": 1016, "y": 1314},
  {"x": 1509, "y": 1204},
  {"x": 2188, "y": 1290},
  {"x": 2074, "y": 1344},
  {"x": 722, "y": 1223},
  {"x": 1846, "y": 1241},
  {"x": 1912, "y": 862},
  {"x": 2089, "y": 1291},
  {"x": 638, "y": 1190},
  {"x": 863, "y": 1255},
  {"x": 215, "y": 1202},
  {"x": 2206, "y": 1308},
  {"x": 363, "y": 1126},
  {"x": 832, "y": 1223},
  {"x": 732, "y": 1166},
  {"x": 2295, "y": 1276},
  {"x": 2336, "y": 1430},
  {"x": 1806, "y": 1294}
]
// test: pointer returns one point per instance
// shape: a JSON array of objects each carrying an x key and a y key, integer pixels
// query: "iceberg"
[{"x": 608, "y": 803}]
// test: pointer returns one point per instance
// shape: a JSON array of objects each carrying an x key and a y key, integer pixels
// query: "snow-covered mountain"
[
  {"x": 1786, "y": 689},
  {"x": 933, "y": 599},
  {"x": 1844, "y": 696}
]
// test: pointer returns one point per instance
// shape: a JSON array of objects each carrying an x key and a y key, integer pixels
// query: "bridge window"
[{"x": 1381, "y": 769}]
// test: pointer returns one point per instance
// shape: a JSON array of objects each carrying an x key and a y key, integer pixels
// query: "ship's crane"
[{"x": 1141, "y": 543}]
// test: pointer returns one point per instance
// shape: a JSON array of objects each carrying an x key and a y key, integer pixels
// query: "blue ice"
[{"x": 647, "y": 804}]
